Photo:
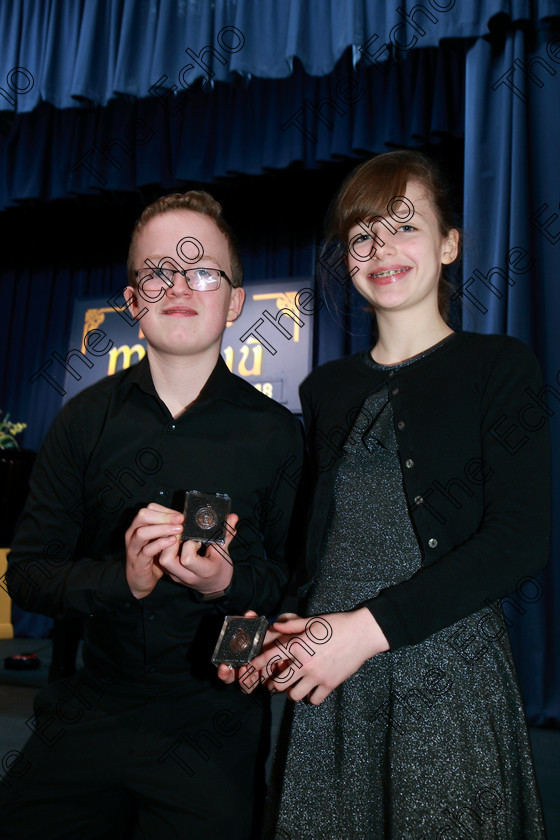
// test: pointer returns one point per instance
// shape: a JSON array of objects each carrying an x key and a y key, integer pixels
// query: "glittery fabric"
[{"x": 428, "y": 742}]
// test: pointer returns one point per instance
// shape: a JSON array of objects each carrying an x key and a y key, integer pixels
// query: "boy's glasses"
[{"x": 198, "y": 279}]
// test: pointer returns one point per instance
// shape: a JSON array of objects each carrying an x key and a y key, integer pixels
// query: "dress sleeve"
[
  {"x": 511, "y": 542},
  {"x": 45, "y": 574}
]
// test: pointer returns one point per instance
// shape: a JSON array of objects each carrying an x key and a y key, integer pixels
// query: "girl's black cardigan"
[{"x": 472, "y": 431}]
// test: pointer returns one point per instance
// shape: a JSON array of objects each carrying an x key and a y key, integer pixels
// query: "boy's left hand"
[{"x": 208, "y": 573}]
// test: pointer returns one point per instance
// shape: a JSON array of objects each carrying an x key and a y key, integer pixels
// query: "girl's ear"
[{"x": 450, "y": 248}]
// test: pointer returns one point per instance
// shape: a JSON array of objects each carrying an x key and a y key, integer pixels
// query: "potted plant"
[{"x": 15, "y": 469}]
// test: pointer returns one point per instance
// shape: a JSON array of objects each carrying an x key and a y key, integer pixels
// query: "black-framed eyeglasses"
[{"x": 199, "y": 279}]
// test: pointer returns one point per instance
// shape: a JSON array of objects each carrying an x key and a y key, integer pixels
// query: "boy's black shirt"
[{"x": 115, "y": 448}]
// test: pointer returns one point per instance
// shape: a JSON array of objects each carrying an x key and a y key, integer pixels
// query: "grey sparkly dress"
[{"x": 428, "y": 742}]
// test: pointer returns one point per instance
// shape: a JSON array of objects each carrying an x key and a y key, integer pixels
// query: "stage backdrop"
[{"x": 270, "y": 344}]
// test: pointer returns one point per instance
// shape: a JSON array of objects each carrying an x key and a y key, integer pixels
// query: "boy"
[{"x": 146, "y": 738}]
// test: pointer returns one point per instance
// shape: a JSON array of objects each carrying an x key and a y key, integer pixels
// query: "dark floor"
[{"x": 17, "y": 690}]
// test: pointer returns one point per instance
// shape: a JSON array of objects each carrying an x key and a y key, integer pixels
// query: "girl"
[{"x": 409, "y": 723}]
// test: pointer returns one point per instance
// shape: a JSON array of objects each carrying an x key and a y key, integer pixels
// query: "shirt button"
[
  {"x": 432, "y": 543},
  {"x": 391, "y": 374},
  {"x": 418, "y": 500},
  {"x": 395, "y": 391},
  {"x": 151, "y": 616},
  {"x": 409, "y": 463},
  {"x": 152, "y": 669},
  {"x": 126, "y": 605},
  {"x": 172, "y": 427},
  {"x": 400, "y": 425}
]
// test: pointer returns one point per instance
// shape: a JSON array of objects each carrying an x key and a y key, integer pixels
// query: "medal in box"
[
  {"x": 205, "y": 516},
  {"x": 240, "y": 640}
]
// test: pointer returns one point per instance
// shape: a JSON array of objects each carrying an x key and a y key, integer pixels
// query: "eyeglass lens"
[{"x": 198, "y": 279}]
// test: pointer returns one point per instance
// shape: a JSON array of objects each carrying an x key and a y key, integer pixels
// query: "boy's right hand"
[{"x": 153, "y": 529}]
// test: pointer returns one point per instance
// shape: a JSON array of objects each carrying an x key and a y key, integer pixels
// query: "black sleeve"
[
  {"x": 44, "y": 574},
  {"x": 260, "y": 578},
  {"x": 513, "y": 536}
]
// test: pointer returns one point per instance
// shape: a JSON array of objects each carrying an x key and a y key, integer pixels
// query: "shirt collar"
[
  {"x": 140, "y": 375},
  {"x": 221, "y": 384}
]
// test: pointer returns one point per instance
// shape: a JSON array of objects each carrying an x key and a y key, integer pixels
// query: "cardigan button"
[
  {"x": 432, "y": 543},
  {"x": 395, "y": 391},
  {"x": 409, "y": 463},
  {"x": 400, "y": 425},
  {"x": 418, "y": 500}
]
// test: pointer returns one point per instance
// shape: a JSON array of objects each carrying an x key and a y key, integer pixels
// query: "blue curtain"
[
  {"x": 249, "y": 129},
  {"x": 512, "y": 227},
  {"x": 35, "y": 320},
  {"x": 72, "y": 51}
]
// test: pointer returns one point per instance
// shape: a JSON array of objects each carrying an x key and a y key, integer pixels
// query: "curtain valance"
[
  {"x": 67, "y": 52},
  {"x": 248, "y": 129}
]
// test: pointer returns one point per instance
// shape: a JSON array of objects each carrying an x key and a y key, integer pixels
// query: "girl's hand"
[{"x": 310, "y": 657}]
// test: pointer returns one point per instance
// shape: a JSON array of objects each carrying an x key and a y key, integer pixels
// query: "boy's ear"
[
  {"x": 130, "y": 295},
  {"x": 237, "y": 298}
]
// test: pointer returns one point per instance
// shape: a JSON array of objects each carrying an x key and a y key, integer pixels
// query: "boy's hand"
[
  {"x": 209, "y": 573},
  {"x": 154, "y": 529}
]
